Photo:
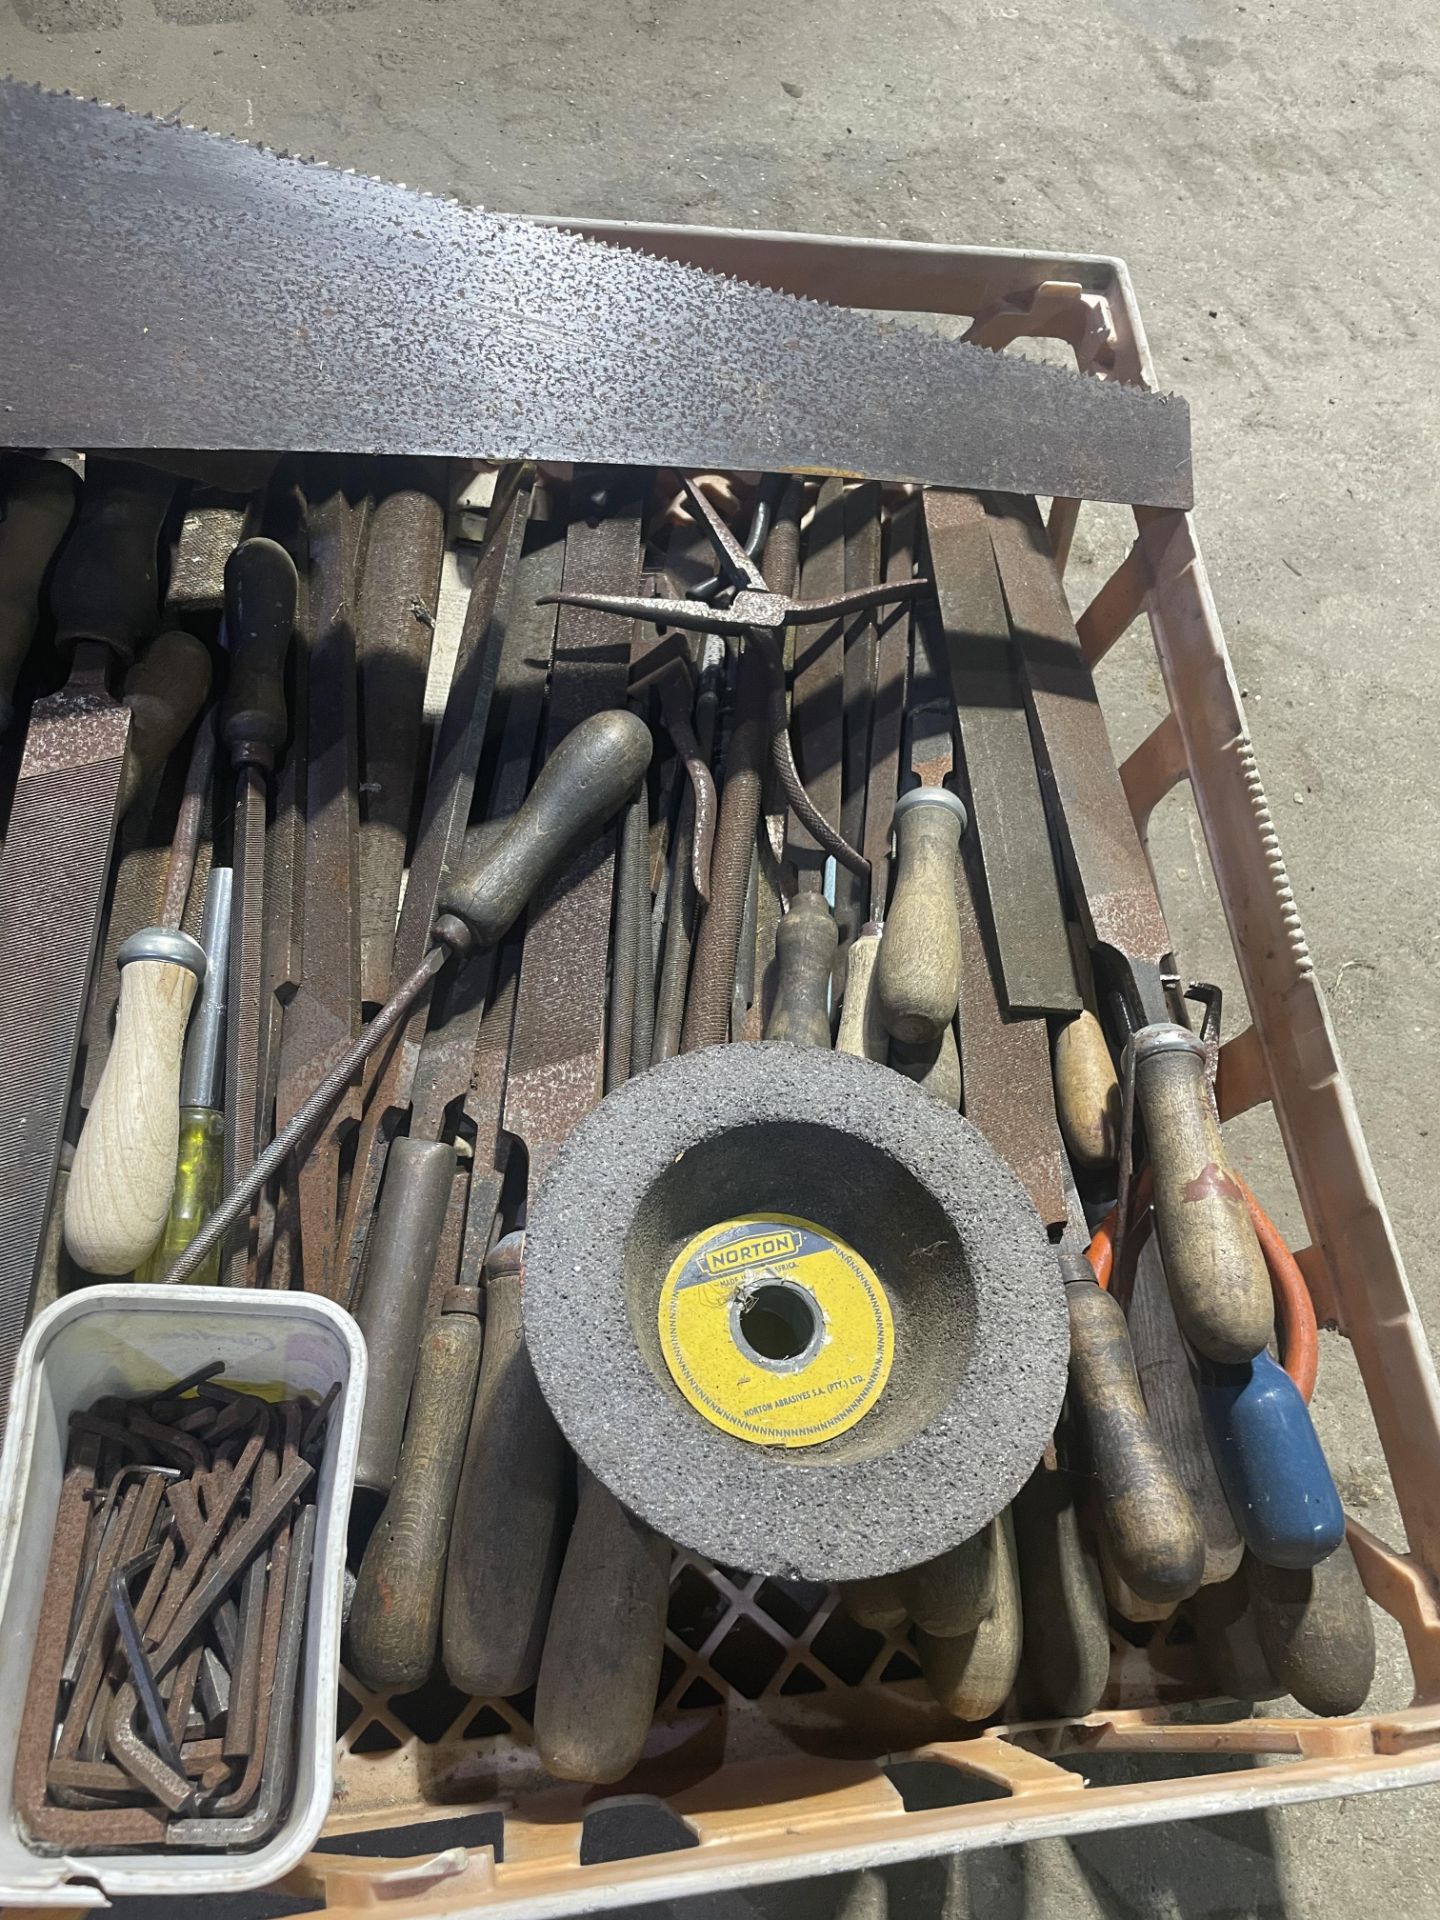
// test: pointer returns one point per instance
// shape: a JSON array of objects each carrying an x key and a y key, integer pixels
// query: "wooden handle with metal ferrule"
[
  {"x": 510, "y": 1509},
  {"x": 394, "y": 1623},
  {"x": 1067, "y": 1636},
  {"x": 917, "y": 976},
  {"x": 972, "y": 1674},
  {"x": 587, "y": 779},
  {"x": 805, "y": 943},
  {"x": 1087, "y": 1092},
  {"x": 1154, "y": 1537},
  {"x": 604, "y": 1644},
  {"x": 1213, "y": 1264},
  {"x": 124, "y": 1169},
  {"x": 955, "y": 1591},
  {"x": 1315, "y": 1628},
  {"x": 404, "y": 1244},
  {"x": 862, "y": 1031},
  {"x": 1271, "y": 1465}
]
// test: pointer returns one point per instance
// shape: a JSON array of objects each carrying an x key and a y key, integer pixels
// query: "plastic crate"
[{"x": 785, "y": 1732}]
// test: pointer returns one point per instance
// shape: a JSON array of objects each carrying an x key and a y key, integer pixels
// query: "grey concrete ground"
[{"x": 1268, "y": 169}]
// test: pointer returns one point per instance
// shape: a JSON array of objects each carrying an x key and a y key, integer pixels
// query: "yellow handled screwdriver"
[{"x": 200, "y": 1168}]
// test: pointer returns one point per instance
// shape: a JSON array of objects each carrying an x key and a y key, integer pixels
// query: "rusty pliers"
[{"x": 753, "y": 610}]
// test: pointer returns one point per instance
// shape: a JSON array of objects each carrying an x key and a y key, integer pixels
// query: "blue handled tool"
[{"x": 1269, "y": 1459}]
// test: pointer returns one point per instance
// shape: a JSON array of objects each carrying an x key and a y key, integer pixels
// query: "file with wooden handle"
[
  {"x": 1315, "y": 1628},
  {"x": 56, "y": 857},
  {"x": 394, "y": 1620},
  {"x": 973, "y": 1674},
  {"x": 955, "y": 1591},
  {"x": 917, "y": 976},
  {"x": 1213, "y": 1262},
  {"x": 805, "y": 944},
  {"x": 1150, "y": 1526}
]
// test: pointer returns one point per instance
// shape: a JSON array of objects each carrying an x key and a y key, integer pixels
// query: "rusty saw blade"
[{"x": 211, "y": 294}]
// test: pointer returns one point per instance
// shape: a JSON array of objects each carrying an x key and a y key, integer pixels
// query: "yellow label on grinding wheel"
[{"x": 776, "y": 1331}]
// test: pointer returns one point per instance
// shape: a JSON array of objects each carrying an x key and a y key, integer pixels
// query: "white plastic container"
[{"x": 126, "y": 1340}]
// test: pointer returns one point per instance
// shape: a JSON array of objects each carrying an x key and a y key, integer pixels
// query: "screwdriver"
[
  {"x": 596, "y": 767},
  {"x": 200, "y": 1166},
  {"x": 124, "y": 1168},
  {"x": 261, "y": 586}
]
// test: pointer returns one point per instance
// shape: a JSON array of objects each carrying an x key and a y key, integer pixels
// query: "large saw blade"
[{"x": 166, "y": 287}]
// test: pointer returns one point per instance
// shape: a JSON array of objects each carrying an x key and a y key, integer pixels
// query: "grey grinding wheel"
[{"x": 766, "y": 1130}]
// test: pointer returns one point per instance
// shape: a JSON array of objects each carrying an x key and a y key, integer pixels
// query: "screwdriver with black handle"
[{"x": 595, "y": 769}]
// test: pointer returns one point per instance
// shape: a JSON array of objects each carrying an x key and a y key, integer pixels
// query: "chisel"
[
  {"x": 446, "y": 812},
  {"x": 507, "y": 1537},
  {"x": 57, "y": 852},
  {"x": 124, "y": 1167},
  {"x": 396, "y": 1280},
  {"x": 38, "y": 506},
  {"x": 261, "y": 586},
  {"x": 1213, "y": 1263}
]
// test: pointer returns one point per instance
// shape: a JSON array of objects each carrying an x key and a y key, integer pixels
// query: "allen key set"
[{"x": 182, "y": 1558}]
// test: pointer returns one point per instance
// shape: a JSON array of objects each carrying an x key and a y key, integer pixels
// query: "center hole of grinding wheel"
[{"x": 777, "y": 1324}]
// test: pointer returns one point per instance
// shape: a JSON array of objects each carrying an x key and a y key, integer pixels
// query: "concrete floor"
[{"x": 1268, "y": 171}]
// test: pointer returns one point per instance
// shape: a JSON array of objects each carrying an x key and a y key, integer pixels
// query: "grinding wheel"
[{"x": 793, "y": 1312}]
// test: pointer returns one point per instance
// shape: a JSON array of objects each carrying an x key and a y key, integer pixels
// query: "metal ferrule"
[
  {"x": 1165, "y": 1036},
  {"x": 163, "y": 943},
  {"x": 933, "y": 797},
  {"x": 202, "y": 1075}
]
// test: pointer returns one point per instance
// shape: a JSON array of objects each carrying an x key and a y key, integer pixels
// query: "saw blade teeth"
[
  {"x": 835, "y": 339},
  {"x": 698, "y": 275}
]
